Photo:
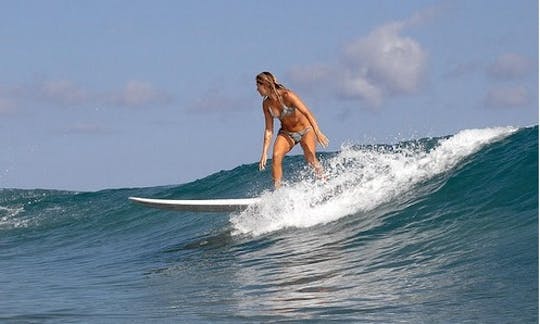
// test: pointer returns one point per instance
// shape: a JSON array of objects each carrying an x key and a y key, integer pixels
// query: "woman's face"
[{"x": 262, "y": 88}]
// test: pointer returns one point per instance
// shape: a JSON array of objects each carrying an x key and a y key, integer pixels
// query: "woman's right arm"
[{"x": 268, "y": 133}]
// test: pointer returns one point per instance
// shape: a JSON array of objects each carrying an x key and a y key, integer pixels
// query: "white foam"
[
  {"x": 9, "y": 219},
  {"x": 360, "y": 180}
]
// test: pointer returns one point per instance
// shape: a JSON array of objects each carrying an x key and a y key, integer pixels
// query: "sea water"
[{"x": 431, "y": 230}]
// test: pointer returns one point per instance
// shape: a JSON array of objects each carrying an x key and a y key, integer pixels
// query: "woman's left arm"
[{"x": 300, "y": 106}]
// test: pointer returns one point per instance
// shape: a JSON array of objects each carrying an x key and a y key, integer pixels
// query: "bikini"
[{"x": 287, "y": 111}]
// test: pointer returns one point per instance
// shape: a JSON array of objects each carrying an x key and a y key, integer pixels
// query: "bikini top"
[{"x": 286, "y": 111}]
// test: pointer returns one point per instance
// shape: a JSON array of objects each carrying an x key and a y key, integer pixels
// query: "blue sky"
[{"x": 114, "y": 94}]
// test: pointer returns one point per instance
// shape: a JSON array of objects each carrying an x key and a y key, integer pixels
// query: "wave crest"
[{"x": 362, "y": 179}]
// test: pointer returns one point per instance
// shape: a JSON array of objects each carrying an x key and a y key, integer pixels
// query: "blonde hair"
[{"x": 270, "y": 80}]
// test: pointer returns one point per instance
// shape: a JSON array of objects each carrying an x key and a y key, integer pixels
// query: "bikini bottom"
[{"x": 295, "y": 136}]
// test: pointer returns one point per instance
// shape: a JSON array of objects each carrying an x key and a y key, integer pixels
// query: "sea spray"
[{"x": 360, "y": 180}]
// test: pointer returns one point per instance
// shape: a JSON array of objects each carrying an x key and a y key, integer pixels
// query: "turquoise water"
[{"x": 433, "y": 230}]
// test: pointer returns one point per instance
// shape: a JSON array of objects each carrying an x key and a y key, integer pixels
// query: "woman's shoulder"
[
  {"x": 266, "y": 103},
  {"x": 289, "y": 96}
]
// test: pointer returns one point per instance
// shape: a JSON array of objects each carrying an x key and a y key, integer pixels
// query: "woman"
[{"x": 298, "y": 125}]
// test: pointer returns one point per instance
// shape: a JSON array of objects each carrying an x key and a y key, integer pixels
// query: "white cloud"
[
  {"x": 382, "y": 64},
  {"x": 7, "y": 102},
  {"x": 67, "y": 93},
  {"x": 361, "y": 88},
  {"x": 217, "y": 100},
  {"x": 507, "y": 97},
  {"x": 463, "y": 69},
  {"x": 138, "y": 94},
  {"x": 7, "y": 106},
  {"x": 62, "y": 92},
  {"x": 385, "y": 60},
  {"x": 86, "y": 128},
  {"x": 315, "y": 75},
  {"x": 510, "y": 66}
]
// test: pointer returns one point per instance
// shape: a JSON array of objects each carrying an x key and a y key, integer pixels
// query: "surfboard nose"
[{"x": 197, "y": 205}]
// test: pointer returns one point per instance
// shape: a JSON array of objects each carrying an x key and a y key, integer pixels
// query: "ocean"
[{"x": 434, "y": 230}]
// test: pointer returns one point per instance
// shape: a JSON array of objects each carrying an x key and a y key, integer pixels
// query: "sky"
[{"x": 116, "y": 94}]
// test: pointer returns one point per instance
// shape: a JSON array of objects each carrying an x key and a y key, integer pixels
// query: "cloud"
[
  {"x": 216, "y": 100},
  {"x": 66, "y": 93},
  {"x": 510, "y": 66},
  {"x": 506, "y": 67},
  {"x": 316, "y": 75},
  {"x": 463, "y": 69},
  {"x": 384, "y": 62},
  {"x": 62, "y": 92},
  {"x": 86, "y": 129},
  {"x": 138, "y": 94},
  {"x": 359, "y": 87},
  {"x": 7, "y": 106},
  {"x": 380, "y": 65},
  {"x": 507, "y": 97},
  {"x": 7, "y": 103}
]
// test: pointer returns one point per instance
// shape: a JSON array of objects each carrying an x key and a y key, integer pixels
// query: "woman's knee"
[{"x": 277, "y": 157}]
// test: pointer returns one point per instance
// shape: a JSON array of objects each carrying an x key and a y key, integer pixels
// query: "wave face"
[{"x": 432, "y": 230}]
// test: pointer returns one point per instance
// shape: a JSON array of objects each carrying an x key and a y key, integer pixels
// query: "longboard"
[{"x": 200, "y": 205}]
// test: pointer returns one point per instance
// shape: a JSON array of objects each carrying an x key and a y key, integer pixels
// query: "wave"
[
  {"x": 431, "y": 230},
  {"x": 361, "y": 179}
]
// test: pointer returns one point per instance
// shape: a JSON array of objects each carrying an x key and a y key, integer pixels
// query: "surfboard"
[{"x": 198, "y": 205}]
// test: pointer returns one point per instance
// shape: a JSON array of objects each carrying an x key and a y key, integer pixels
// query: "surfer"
[{"x": 298, "y": 125}]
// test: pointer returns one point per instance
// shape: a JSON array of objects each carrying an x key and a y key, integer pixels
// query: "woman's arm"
[
  {"x": 300, "y": 106},
  {"x": 268, "y": 133}
]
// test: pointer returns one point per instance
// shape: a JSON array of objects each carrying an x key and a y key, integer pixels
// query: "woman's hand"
[
  {"x": 322, "y": 139},
  {"x": 262, "y": 163}
]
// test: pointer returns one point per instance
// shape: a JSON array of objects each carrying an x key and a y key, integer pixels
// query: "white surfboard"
[{"x": 198, "y": 205}]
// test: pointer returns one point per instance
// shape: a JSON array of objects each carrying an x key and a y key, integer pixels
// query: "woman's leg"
[
  {"x": 309, "y": 143},
  {"x": 282, "y": 146}
]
